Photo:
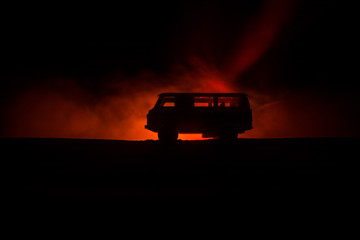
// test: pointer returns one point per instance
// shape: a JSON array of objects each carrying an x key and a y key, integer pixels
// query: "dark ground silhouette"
[{"x": 262, "y": 169}]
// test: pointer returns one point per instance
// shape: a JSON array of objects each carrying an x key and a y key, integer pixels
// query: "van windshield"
[{"x": 168, "y": 102}]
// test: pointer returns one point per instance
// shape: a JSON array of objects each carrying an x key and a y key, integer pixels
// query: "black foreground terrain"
[{"x": 189, "y": 170}]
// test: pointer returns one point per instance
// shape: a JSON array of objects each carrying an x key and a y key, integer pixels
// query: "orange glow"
[
  {"x": 69, "y": 112},
  {"x": 66, "y": 110},
  {"x": 259, "y": 35},
  {"x": 219, "y": 86},
  {"x": 191, "y": 137}
]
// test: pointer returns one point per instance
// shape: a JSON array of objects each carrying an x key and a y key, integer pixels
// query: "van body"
[{"x": 223, "y": 115}]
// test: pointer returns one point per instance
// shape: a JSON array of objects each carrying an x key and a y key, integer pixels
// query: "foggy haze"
[{"x": 97, "y": 75}]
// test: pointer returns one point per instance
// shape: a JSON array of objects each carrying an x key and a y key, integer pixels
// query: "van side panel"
[{"x": 208, "y": 117}]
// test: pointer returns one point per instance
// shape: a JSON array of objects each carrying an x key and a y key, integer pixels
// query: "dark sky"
[
  {"x": 85, "y": 42},
  {"x": 88, "y": 40}
]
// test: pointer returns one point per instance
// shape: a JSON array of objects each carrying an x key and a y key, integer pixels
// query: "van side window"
[
  {"x": 203, "y": 101},
  {"x": 228, "y": 102},
  {"x": 168, "y": 102}
]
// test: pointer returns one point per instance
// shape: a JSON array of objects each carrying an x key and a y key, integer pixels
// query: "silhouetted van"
[{"x": 223, "y": 115}]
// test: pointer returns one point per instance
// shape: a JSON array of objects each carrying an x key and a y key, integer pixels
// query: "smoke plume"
[{"x": 62, "y": 107}]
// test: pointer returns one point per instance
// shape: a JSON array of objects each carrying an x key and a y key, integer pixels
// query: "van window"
[
  {"x": 228, "y": 101},
  {"x": 168, "y": 102},
  {"x": 203, "y": 101}
]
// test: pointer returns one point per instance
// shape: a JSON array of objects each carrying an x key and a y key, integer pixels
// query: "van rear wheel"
[{"x": 168, "y": 134}]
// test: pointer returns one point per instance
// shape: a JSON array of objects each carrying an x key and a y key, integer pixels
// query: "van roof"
[{"x": 203, "y": 94}]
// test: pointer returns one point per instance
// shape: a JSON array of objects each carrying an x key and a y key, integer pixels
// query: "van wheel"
[{"x": 168, "y": 134}]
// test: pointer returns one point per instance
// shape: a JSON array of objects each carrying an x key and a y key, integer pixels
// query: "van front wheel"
[{"x": 168, "y": 134}]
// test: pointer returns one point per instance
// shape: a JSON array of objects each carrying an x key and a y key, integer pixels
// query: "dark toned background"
[{"x": 294, "y": 55}]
